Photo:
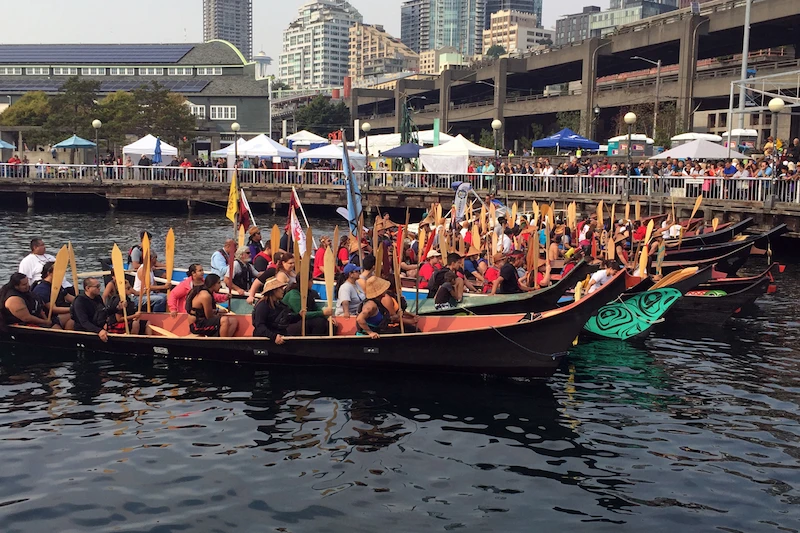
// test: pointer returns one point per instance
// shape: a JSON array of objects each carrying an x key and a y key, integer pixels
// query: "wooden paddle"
[
  {"x": 627, "y": 211},
  {"x": 536, "y": 211},
  {"x": 611, "y": 244},
  {"x": 492, "y": 216},
  {"x": 638, "y": 211},
  {"x": 163, "y": 332},
  {"x": 144, "y": 272},
  {"x": 275, "y": 241},
  {"x": 600, "y": 223},
  {"x": 73, "y": 266},
  {"x": 335, "y": 244},
  {"x": 399, "y": 288},
  {"x": 169, "y": 257},
  {"x": 483, "y": 219},
  {"x": 329, "y": 271},
  {"x": 714, "y": 224},
  {"x": 375, "y": 238},
  {"x": 439, "y": 219},
  {"x": 241, "y": 235},
  {"x": 691, "y": 217},
  {"x": 379, "y": 259},
  {"x": 59, "y": 271},
  {"x": 119, "y": 279},
  {"x": 513, "y": 214},
  {"x": 494, "y": 243},
  {"x": 672, "y": 199},
  {"x": 305, "y": 281}
]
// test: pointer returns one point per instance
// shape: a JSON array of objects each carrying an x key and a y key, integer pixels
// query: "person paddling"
[
  {"x": 373, "y": 317},
  {"x": 205, "y": 319}
]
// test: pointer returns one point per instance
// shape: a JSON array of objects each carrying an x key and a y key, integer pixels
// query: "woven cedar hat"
[{"x": 375, "y": 287}]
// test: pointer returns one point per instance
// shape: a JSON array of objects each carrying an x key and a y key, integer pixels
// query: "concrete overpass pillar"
[
  {"x": 353, "y": 105},
  {"x": 446, "y": 80},
  {"x": 687, "y": 70},
  {"x": 589, "y": 84},
  {"x": 400, "y": 99},
  {"x": 500, "y": 90}
]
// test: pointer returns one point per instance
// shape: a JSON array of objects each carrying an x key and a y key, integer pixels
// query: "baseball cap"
[
  {"x": 433, "y": 253},
  {"x": 350, "y": 267}
]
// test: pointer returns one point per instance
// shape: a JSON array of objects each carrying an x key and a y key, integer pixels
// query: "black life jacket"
[
  {"x": 244, "y": 279},
  {"x": 101, "y": 311},
  {"x": 384, "y": 312},
  {"x": 436, "y": 281},
  {"x": 32, "y": 302}
]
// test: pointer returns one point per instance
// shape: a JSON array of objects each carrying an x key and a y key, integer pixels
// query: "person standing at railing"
[{"x": 128, "y": 168}]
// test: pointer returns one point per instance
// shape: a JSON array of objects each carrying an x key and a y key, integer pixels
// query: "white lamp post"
[
  {"x": 496, "y": 125},
  {"x": 630, "y": 120},
  {"x": 366, "y": 127},
  {"x": 775, "y": 105},
  {"x": 96, "y": 124}
]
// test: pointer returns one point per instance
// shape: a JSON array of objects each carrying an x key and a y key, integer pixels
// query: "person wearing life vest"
[
  {"x": 220, "y": 258},
  {"x": 243, "y": 272},
  {"x": 18, "y": 305}
]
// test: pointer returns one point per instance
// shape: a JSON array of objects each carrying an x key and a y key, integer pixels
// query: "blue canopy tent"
[
  {"x": 74, "y": 142},
  {"x": 6, "y": 146},
  {"x": 406, "y": 151},
  {"x": 566, "y": 138}
]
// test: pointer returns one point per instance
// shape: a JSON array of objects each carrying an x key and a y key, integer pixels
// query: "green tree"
[
  {"x": 321, "y": 116},
  {"x": 496, "y": 51},
  {"x": 72, "y": 112},
  {"x": 163, "y": 114},
  {"x": 30, "y": 110},
  {"x": 569, "y": 119},
  {"x": 119, "y": 113},
  {"x": 487, "y": 139}
]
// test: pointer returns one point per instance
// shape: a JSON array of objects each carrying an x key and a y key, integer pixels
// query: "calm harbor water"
[{"x": 696, "y": 431}]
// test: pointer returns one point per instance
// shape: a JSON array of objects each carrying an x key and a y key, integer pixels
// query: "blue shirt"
[
  {"x": 729, "y": 171},
  {"x": 219, "y": 265}
]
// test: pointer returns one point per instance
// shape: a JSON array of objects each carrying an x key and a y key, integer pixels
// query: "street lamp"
[
  {"x": 658, "y": 84},
  {"x": 235, "y": 127},
  {"x": 496, "y": 125},
  {"x": 96, "y": 124},
  {"x": 596, "y": 120},
  {"x": 365, "y": 127},
  {"x": 630, "y": 120},
  {"x": 775, "y": 105}
]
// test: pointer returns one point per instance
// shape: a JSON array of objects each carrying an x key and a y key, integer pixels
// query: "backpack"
[{"x": 436, "y": 281}]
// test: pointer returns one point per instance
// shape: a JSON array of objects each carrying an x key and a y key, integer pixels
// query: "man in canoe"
[
  {"x": 428, "y": 268},
  {"x": 603, "y": 276},
  {"x": 271, "y": 317},
  {"x": 42, "y": 290},
  {"x": 88, "y": 310},
  {"x": 20, "y": 306},
  {"x": 244, "y": 273},
  {"x": 219, "y": 259},
  {"x": 34, "y": 262},
  {"x": 176, "y": 301},
  {"x": 157, "y": 296},
  {"x": 374, "y": 318}
]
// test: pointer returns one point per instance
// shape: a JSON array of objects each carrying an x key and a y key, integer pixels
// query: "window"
[
  {"x": 223, "y": 112},
  {"x": 37, "y": 71},
  {"x": 199, "y": 111},
  {"x": 151, "y": 71},
  {"x": 65, "y": 71},
  {"x": 122, "y": 71},
  {"x": 754, "y": 119},
  {"x": 180, "y": 71},
  {"x": 10, "y": 71},
  {"x": 93, "y": 71},
  {"x": 723, "y": 120},
  {"x": 712, "y": 121},
  {"x": 209, "y": 71}
]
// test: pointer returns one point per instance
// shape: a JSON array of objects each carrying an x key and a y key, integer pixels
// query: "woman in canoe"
[
  {"x": 374, "y": 318},
  {"x": 20, "y": 306},
  {"x": 271, "y": 317},
  {"x": 205, "y": 318}
]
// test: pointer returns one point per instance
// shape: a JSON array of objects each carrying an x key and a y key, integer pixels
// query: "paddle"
[
  {"x": 492, "y": 216},
  {"x": 59, "y": 271},
  {"x": 73, "y": 266},
  {"x": 399, "y": 288},
  {"x": 536, "y": 211},
  {"x": 143, "y": 271},
  {"x": 514, "y": 214},
  {"x": 169, "y": 257},
  {"x": 627, "y": 211},
  {"x": 335, "y": 243},
  {"x": 375, "y": 237},
  {"x": 379, "y": 259},
  {"x": 439, "y": 219},
  {"x": 611, "y": 244},
  {"x": 275, "y": 241},
  {"x": 305, "y": 281},
  {"x": 241, "y": 235},
  {"x": 644, "y": 254},
  {"x": 163, "y": 332},
  {"x": 600, "y": 224},
  {"x": 483, "y": 219},
  {"x": 329, "y": 271},
  {"x": 714, "y": 224},
  {"x": 638, "y": 211},
  {"x": 691, "y": 217},
  {"x": 119, "y": 279}
]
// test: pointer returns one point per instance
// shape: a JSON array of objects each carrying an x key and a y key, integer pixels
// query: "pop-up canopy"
[
  {"x": 147, "y": 146},
  {"x": 334, "y": 151},
  {"x": 452, "y": 157},
  {"x": 700, "y": 149},
  {"x": 263, "y": 146},
  {"x": 568, "y": 139}
]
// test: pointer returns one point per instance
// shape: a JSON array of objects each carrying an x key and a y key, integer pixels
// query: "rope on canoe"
[{"x": 534, "y": 352}]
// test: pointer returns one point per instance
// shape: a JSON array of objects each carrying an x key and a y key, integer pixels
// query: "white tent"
[
  {"x": 229, "y": 150},
  {"x": 700, "y": 149},
  {"x": 305, "y": 138},
  {"x": 147, "y": 146},
  {"x": 334, "y": 151},
  {"x": 452, "y": 157},
  {"x": 693, "y": 136},
  {"x": 634, "y": 137},
  {"x": 263, "y": 146},
  {"x": 387, "y": 141}
]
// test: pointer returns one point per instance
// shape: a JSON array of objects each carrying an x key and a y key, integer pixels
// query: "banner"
[
  {"x": 233, "y": 200},
  {"x": 460, "y": 201},
  {"x": 296, "y": 230}
]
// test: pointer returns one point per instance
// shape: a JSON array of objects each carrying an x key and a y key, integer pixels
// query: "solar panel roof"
[
  {"x": 177, "y": 86},
  {"x": 92, "y": 54}
]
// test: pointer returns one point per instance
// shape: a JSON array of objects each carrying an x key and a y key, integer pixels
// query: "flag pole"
[{"x": 303, "y": 212}]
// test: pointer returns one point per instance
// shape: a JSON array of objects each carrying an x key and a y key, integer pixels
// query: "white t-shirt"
[
  {"x": 351, "y": 294},
  {"x": 507, "y": 244},
  {"x": 137, "y": 283},
  {"x": 600, "y": 278},
  {"x": 32, "y": 266},
  {"x": 675, "y": 231}
]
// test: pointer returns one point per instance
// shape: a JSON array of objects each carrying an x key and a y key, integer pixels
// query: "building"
[
  {"x": 374, "y": 53},
  {"x": 516, "y": 32},
  {"x": 316, "y": 46},
  {"x": 435, "y": 61},
  {"x": 574, "y": 28},
  {"x": 415, "y": 24},
  {"x": 623, "y": 12},
  {"x": 525, "y": 6},
  {"x": 432, "y": 24},
  {"x": 219, "y": 84},
  {"x": 229, "y": 20}
]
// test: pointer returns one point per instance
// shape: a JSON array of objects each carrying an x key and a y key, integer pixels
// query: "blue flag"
[{"x": 353, "y": 191}]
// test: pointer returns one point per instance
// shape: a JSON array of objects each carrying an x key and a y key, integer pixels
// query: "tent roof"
[
  {"x": 741, "y": 133},
  {"x": 408, "y": 151},
  {"x": 6, "y": 146},
  {"x": 634, "y": 137},
  {"x": 330, "y": 151},
  {"x": 692, "y": 136},
  {"x": 305, "y": 136},
  {"x": 74, "y": 142},
  {"x": 263, "y": 146},
  {"x": 566, "y": 138},
  {"x": 228, "y": 150},
  {"x": 459, "y": 146},
  {"x": 700, "y": 149},
  {"x": 147, "y": 146}
]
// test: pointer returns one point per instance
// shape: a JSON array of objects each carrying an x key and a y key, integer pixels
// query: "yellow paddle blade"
[
  {"x": 600, "y": 215},
  {"x": 335, "y": 243},
  {"x": 59, "y": 271},
  {"x": 643, "y": 262},
  {"x": 423, "y": 235},
  {"x": 714, "y": 224},
  {"x": 145, "y": 276},
  {"x": 241, "y": 235},
  {"x": 649, "y": 232},
  {"x": 696, "y": 207},
  {"x": 514, "y": 214},
  {"x": 627, "y": 211},
  {"x": 483, "y": 219},
  {"x": 379, "y": 259},
  {"x": 492, "y": 217},
  {"x": 329, "y": 272},
  {"x": 73, "y": 266},
  {"x": 275, "y": 240},
  {"x": 476, "y": 237},
  {"x": 638, "y": 210},
  {"x": 494, "y": 243},
  {"x": 169, "y": 256},
  {"x": 119, "y": 279}
]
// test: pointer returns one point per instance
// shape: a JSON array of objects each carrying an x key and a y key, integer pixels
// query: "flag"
[
  {"x": 296, "y": 230},
  {"x": 353, "y": 190},
  {"x": 245, "y": 214},
  {"x": 233, "y": 200},
  {"x": 460, "y": 201}
]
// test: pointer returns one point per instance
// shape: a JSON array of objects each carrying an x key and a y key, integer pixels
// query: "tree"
[
  {"x": 163, "y": 114},
  {"x": 321, "y": 116},
  {"x": 496, "y": 51},
  {"x": 30, "y": 110},
  {"x": 72, "y": 112},
  {"x": 487, "y": 139},
  {"x": 119, "y": 113},
  {"x": 569, "y": 119}
]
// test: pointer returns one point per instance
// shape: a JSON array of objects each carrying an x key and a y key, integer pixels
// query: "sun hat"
[
  {"x": 376, "y": 286},
  {"x": 271, "y": 284},
  {"x": 253, "y": 230},
  {"x": 496, "y": 258},
  {"x": 432, "y": 254}
]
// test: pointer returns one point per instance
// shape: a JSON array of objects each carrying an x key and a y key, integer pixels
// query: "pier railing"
[{"x": 712, "y": 188}]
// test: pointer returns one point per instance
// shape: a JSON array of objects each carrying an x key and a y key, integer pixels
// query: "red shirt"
[
  {"x": 343, "y": 255},
  {"x": 425, "y": 273},
  {"x": 186, "y": 164},
  {"x": 640, "y": 233},
  {"x": 490, "y": 277},
  {"x": 319, "y": 262}
]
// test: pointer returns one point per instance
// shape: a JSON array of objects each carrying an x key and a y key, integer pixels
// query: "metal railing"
[{"x": 536, "y": 185}]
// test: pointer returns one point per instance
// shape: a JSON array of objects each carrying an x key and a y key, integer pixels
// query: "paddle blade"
[
  {"x": 627, "y": 211},
  {"x": 649, "y": 232},
  {"x": 714, "y": 224},
  {"x": 145, "y": 276},
  {"x": 600, "y": 223},
  {"x": 514, "y": 214},
  {"x": 73, "y": 266},
  {"x": 169, "y": 257},
  {"x": 329, "y": 271},
  {"x": 492, "y": 215},
  {"x": 275, "y": 240},
  {"x": 59, "y": 271},
  {"x": 643, "y": 263},
  {"x": 240, "y": 242},
  {"x": 335, "y": 241},
  {"x": 119, "y": 279},
  {"x": 439, "y": 218},
  {"x": 483, "y": 219},
  {"x": 696, "y": 206},
  {"x": 638, "y": 210},
  {"x": 379, "y": 259}
]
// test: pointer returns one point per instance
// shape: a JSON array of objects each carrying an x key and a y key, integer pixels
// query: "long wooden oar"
[
  {"x": 627, "y": 211},
  {"x": 694, "y": 212},
  {"x": 611, "y": 243},
  {"x": 305, "y": 279},
  {"x": 275, "y": 241},
  {"x": 73, "y": 265},
  {"x": 638, "y": 211},
  {"x": 329, "y": 271},
  {"x": 148, "y": 268},
  {"x": 170, "y": 257},
  {"x": 59, "y": 271},
  {"x": 241, "y": 235},
  {"x": 119, "y": 279},
  {"x": 714, "y": 224}
]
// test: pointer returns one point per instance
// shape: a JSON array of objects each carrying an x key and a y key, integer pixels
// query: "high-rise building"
[
  {"x": 525, "y": 6},
  {"x": 432, "y": 24},
  {"x": 316, "y": 46},
  {"x": 623, "y": 12},
  {"x": 516, "y": 32},
  {"x": 574, "y": 28},
  {"x": 230, "y": 20},
  {"x": 375, "y": 53}
]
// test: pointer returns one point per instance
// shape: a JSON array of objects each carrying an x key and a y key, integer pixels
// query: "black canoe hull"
[
  {"x": 699, "y": 253},
  {"x": 703, "y": 311},
  {"x": 716, "y": 237},
  {"x": 729, "y": 263}
]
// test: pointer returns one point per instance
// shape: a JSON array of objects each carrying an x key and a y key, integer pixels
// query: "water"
[{"x": 678, "y": 432}]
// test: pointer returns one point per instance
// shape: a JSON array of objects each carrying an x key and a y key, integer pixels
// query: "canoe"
[
  {"x": 541, "y": 300},
  {"x": 722, "y": 235},
  {"x": 632, "y": 315},
  {"x": 409, "y": 294},
  {"x": 520, "y": 344},
  {"x": 684, "y": 285},
  {"x": 712, "y": 303},
  {"x": 728, "y": 263},
  {"x": 715, "y": 250}
]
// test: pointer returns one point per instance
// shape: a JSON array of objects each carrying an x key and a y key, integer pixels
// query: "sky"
[{"x": 168, "y": 21}]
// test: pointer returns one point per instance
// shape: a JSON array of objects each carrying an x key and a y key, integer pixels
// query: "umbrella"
[
  {"x": 406, "y": 151},
  {"x": 700, "y": 149},
  {"x": 75, "y": 142},
  {"x": 157, "y": 152},
  {"x": 5, "y": 146},
  {"x": 566, "y": 138}
]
